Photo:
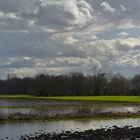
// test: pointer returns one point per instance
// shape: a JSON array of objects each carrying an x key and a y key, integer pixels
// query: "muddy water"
[{"x": 15, "y": 129}]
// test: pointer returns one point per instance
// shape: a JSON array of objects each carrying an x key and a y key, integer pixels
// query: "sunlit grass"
[
  {"x": 99, "y": 98},
  {"x": 91, "y": 98}
]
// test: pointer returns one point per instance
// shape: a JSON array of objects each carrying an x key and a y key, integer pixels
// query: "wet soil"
[{"x": 114, "y": 133}]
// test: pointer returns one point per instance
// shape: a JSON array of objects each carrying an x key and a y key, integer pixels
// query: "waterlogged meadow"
[
  {"x": 55, "y": 107},
  {"x": 21, "y": 115}
]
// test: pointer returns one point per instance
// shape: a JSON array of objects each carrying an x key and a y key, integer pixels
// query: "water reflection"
[
  {"x": 13, "y": 130},
  {"x": 70, "y": 110}
]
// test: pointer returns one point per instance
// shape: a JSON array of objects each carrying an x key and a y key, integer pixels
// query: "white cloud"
[
  {"x": 64, "y": 35},
  {"x": 131, "y": 41},
  {"x": 126, "y": 61},
  {"x": 54, "y": 14},
  {"x": 76, "y": 62},
  {"x": 107, "y": 7},
  {"x": 123, "y": 35},
  {"x": 123, "y": 8}
]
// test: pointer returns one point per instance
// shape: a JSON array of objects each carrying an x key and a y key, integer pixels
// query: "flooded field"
[
  {"x": 62, "y": 107},
  {"x": 15, "y": 129}
]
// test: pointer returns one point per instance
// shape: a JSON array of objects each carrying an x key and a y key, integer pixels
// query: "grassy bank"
[{"x": 88, "y": 98}]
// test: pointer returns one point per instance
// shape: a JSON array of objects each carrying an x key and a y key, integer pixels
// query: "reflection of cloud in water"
[
  {"x": 14, "y": 129},
  {"x": 98, "y": 110},
  {"x": 70, "y": 110},
  {"x": 122, "y": 109}
]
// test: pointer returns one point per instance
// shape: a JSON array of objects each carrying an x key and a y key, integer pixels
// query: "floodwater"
[
  {"x": 71, "y": 110},
  {"x": 15, "y": 129},
  {"x": 64, "y": 109},
  {"x": 12, "y": 130}
]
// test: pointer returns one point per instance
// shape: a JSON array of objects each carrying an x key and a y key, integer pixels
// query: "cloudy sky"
[{"x": 58, "y": 36}]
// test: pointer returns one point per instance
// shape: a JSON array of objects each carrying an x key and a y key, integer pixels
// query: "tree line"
[{"x": 72, "y": 84}]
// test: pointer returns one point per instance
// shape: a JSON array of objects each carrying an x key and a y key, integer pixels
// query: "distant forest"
[{"x": 72, "y": 84}]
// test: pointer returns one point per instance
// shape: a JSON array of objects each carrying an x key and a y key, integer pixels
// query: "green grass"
[
  {"x": 17, "y": 96},
  {"x": 98, "y": 98},
  {"x": 91, "y": 98}
]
